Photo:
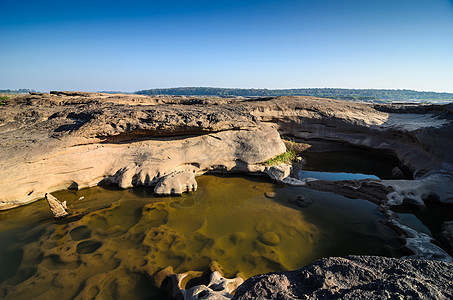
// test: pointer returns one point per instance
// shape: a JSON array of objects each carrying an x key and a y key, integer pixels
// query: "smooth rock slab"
[{"x": 355, "y": 277}]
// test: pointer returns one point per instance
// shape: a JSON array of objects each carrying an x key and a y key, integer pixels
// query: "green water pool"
[{"x": 116, "y": 240}]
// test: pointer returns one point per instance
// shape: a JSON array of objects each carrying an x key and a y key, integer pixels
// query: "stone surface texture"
[
  {"x": 59, "y": 140},
  {"x": 176, "y": 184},
  {"x": 355, "y": 277}
]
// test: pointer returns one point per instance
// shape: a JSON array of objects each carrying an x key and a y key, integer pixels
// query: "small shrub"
[
  {"x": 286, "y": 157},
  {"x": 3, "y": 98}
]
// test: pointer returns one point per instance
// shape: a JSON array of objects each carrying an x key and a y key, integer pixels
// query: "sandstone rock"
[
  {"x": 216, "y": 287},
  {"x": 432, "y": 188},
  {"x": 270, "y": 194},
  {"x": 293, "y": 181},
  {"x": 142, "y": 162},
  {"x": 137, "y": 140},
  {"x": 176, "y": 184},
  {"x": 74, "y": 94},
  {"x": 57, "y": 208},
  {"x": 446, "y": 236},
  {"x": 278, "y": 172},
  {"x": 366, "y": 189},
  {"x": 355, "y": 277},
  {"x": 269, "y": 238},
  {"x": 420, "y": 243}
]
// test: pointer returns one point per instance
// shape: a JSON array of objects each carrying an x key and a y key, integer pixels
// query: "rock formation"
[
  {"x": 355, "y": 277},
  {"x": 213, "y": 285},
  {"x": 72, "y": 140},
  {"x": 57, "y": 208},
  {"x": 176, "y": 184},
  {"x": 138, "y": 140}
]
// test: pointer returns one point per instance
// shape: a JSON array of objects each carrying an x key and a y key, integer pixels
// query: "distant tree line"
[
  {"x": 15, "y": 92},
  {"x": 332, "y": 93},
  {"x": 111, "y": 92}
]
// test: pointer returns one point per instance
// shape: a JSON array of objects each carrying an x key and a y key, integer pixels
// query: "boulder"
[{"x": 278, "y": 172}]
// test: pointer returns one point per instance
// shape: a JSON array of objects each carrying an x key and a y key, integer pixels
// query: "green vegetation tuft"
[
  {"x": 3, "y": 98},
  {"x": 286, "y": 157}
]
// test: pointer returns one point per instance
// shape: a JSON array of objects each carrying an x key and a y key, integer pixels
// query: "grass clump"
[
  {"x": 3, "y": 98},
  {"x": 286, "y": 158}
]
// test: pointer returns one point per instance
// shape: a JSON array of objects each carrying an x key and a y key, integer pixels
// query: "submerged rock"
[
  {"x": 269, "y": 238},
  {"x": 301, "y": 200},
  {"x": 57, "y": 208},
  {"x": 218, "y": 288},
  {"x": 355, "y": 277},
  {"x": 211, "y": 284}
]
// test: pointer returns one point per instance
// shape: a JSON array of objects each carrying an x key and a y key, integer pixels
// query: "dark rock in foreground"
[{"x": 355, "y": 277}]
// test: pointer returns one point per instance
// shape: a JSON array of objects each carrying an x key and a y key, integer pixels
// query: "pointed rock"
[{"x": 57, "y": 208}]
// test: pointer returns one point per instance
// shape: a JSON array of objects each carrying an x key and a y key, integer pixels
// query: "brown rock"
[{"x": 57, "y": 208}]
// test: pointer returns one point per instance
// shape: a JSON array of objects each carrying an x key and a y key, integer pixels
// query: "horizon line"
[{"x": 234, "y": 88}]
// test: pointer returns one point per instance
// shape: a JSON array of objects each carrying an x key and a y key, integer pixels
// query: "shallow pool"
[{"x": 117, "y": 239}]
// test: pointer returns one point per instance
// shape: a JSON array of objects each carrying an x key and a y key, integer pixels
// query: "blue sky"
[{"x": 133, "y": 45}]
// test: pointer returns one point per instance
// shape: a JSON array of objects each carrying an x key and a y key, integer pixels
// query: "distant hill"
[
  {"x": 15, "y": 92},
  {"x": 368, "y": 95}
]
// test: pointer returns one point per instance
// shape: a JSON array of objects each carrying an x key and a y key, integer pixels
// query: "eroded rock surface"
[
  {"x": 74, "y": 140},
  {"x": 133, "y": 140},
  {"x": 212, "y": 284},
  {"x": 355, "y": 277}
]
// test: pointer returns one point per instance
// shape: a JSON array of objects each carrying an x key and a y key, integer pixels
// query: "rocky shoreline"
[
  {"x": 73, "y": 140},
  {"x": 355, "y": 277}
]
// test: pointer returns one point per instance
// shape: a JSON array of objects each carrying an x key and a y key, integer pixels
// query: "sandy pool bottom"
[{"x": 117, "y": 239}]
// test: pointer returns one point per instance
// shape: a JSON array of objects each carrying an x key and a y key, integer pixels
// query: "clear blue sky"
[{"x": 132, "y": 45}]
